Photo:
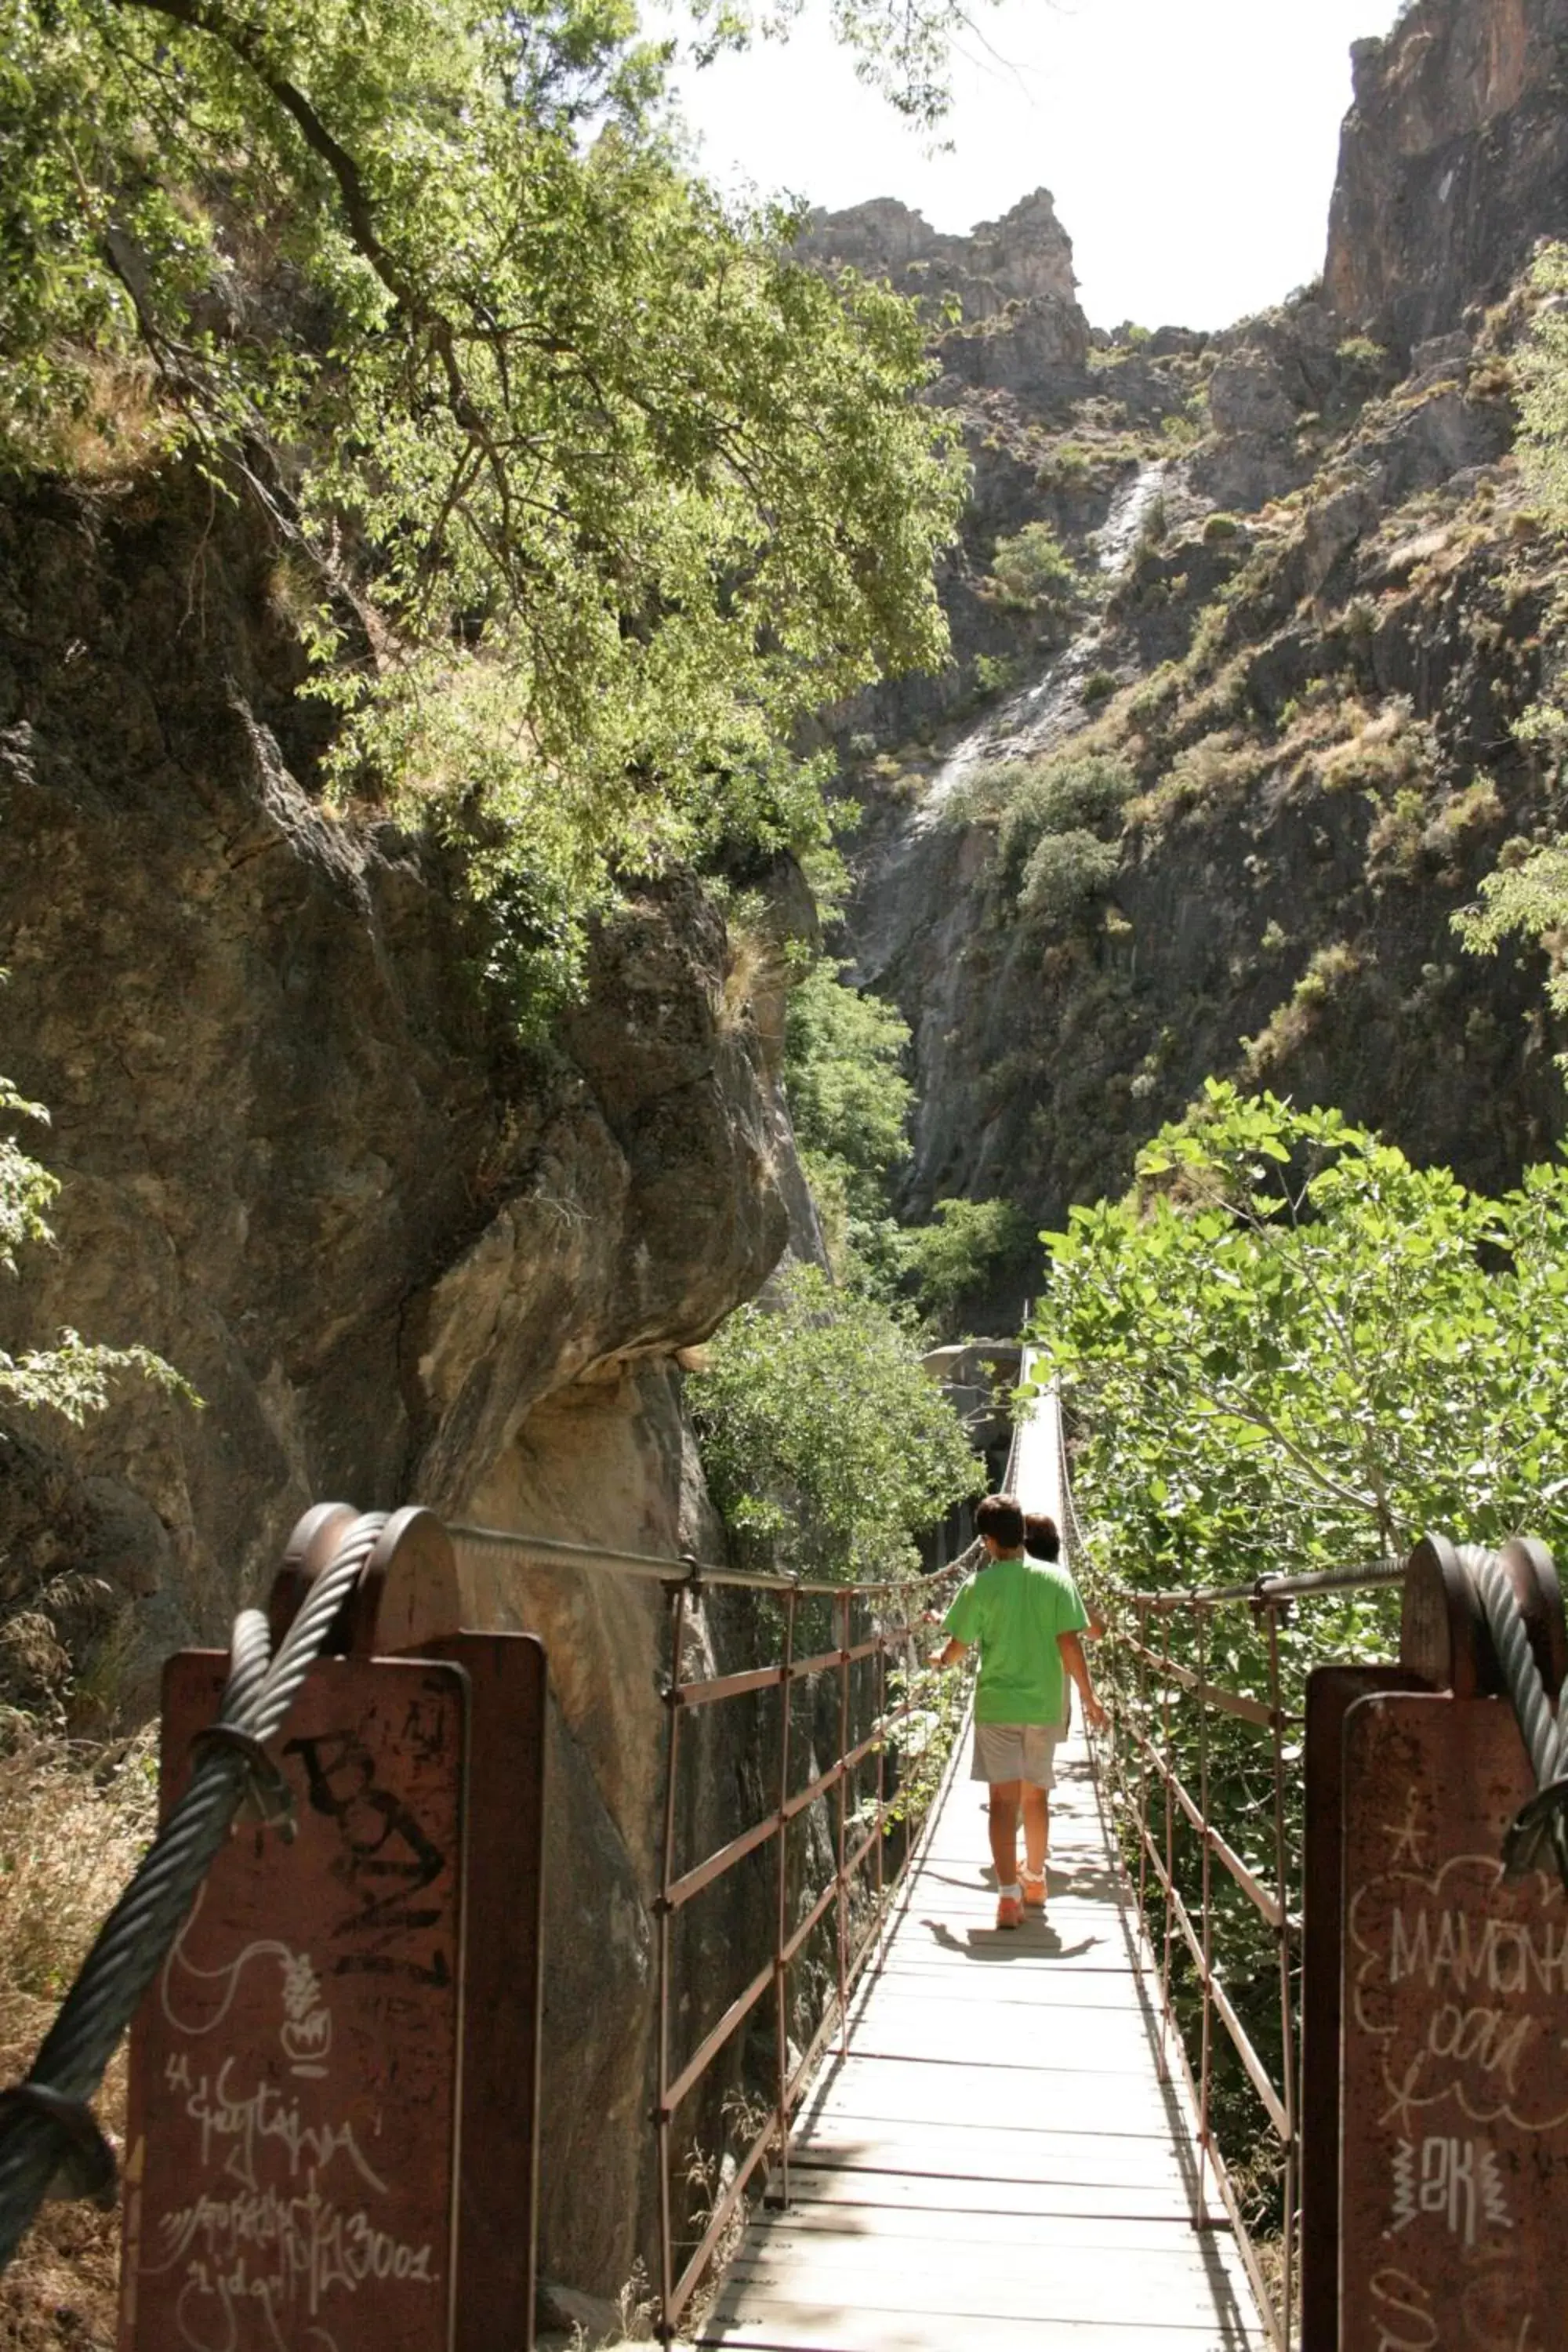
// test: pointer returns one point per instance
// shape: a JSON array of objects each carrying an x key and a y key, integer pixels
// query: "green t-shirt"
[{"x": 1015, "y": 1608}]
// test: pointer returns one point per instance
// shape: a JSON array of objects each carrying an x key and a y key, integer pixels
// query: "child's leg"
[
  {"x": 1003, "y": 1825},
  {"x": 1037, "y": 1828}
]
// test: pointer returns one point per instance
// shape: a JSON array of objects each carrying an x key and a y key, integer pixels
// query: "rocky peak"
[
  {"x": 1025, "y": 257},
  {"x": 1452, "y": 160}
]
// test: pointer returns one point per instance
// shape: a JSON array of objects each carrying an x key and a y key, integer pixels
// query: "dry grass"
[
  {"x": 118, "y": 424},
  {"x": 73, "y": 1824}
]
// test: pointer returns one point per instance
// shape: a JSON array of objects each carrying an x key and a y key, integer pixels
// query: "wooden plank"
[
  {"x": 1101, "y": 2041},
  {"x": 875, "y": 2213},
  {"x": 852, "y": 2276},
  {"x": 924, "y": 2275},
  {"x": 946, "y": 2088},
  {"x": 780, "y": 2327},
  {"x": 831, "y": 2187}
]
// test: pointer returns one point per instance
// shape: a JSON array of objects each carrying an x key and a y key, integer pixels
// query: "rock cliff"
[
  {"x": 1453, "y": 160},
  {"x": 1240, "y": 775},
  {"x": 396, "y": 1255}
]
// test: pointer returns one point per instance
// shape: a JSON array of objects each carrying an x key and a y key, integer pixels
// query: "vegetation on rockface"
[
  {"x": 1031, "y": 567},
  {"x": 850, "y": 1102},
  {"x": 826, "y": 1447},
  {"x": 589, "y": 492},
  {"x": 74, "y": 1377},
  {"x": 42, "y": 1613},
  {"x": 1526, "y": 895},
  {"x": 1290, "y": 1349}
]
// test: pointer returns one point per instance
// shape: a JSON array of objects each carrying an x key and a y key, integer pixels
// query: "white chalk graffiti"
[
  {"x": 1458, "y": 2179},
  {"x": 286, "y": 2225},
  {"x": 306, "y": 2032}
]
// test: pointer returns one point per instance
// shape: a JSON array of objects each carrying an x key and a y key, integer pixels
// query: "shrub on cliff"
[
  {"x": 73, "y": 1378},
  {"x": 848, "y": 1096},
  {"x": 1032, "y": 567},
  {"x": 826, "y": 1445},
  {"x": 850, "y": 1103},
  {"x": 599, "y": 491}
]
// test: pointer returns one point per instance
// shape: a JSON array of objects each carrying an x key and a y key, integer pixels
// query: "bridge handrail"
[
  {"x": 858, "y": 1830},
  {"x": 1151, "y": 1803}
]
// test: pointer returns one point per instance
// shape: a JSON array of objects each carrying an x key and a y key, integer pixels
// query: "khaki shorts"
[{"x": 1016, "y": 1751}]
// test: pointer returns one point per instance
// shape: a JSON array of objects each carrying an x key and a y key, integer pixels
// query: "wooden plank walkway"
[{"x": 994, "y": 2162}]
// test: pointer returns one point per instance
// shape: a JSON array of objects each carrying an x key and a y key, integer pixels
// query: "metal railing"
[
  {"x": 858, "y": 1890},
  {"x": 1163, "y": 1707}
]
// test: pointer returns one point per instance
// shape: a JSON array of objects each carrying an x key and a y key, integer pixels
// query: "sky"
[{"x": 1190, "y": 144}]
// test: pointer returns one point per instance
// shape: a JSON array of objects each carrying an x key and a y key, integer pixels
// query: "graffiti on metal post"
[
  {"x": 293, "y": 2119},
  {"x": 1455, "y": 2041}
]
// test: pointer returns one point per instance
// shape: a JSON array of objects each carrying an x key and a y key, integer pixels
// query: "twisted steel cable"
[
  {"x": 1538, "y": 1835},
  {"x": 43, "y": 2125},
  {"x": 1511, "y": 1643}
]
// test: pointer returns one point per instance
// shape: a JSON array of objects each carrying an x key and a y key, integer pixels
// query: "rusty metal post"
[
  {"x": 1167, "y": 1769},
  {"x": 842, "y": 1906},
  {"x": 663, "y": 2116},
  {"x": 1140, "y": 1704},
  {"x": 881, "y": 1780},
  {"x": 1206, "y": 2054},
  {"x": 1287, "y": 2029},
  {"x": 781, "y": 1915}
]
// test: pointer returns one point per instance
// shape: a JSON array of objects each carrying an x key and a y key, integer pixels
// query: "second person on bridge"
[{"x": 1026, "y": 1616}]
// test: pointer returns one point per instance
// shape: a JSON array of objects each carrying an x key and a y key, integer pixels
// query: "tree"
[
  {"x": 949, "y": 1259},
  {"x": 594, "y": 491},
  {"x": 903, "y": 48},
  {"x": 821, "y": 1437},
  {"x": 848, "y": 1096},
  {"x": 1290, "y": 1347}
]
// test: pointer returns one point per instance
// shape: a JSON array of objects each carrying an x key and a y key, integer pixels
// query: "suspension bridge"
[
  {"x": 953, "y": 2134},
  {"x": 999, "y": 2151}
]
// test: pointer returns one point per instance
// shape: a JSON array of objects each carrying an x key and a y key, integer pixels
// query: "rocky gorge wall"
[
  {"x": 397, "y": 1255},
  {"x": 1453, "y": 161},
  {"x": 1294, "y": 680}
]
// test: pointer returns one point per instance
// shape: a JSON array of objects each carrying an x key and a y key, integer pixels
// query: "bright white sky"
[{"x": 1190, "y": 144}]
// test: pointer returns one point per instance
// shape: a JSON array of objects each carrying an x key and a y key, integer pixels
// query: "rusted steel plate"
[
  {"x": 1456, "y": 2077},
  {"x": 1331, "y": 1690},
  {"x": 290, "y": 2173},
  {"x": 502, "y": 1987}
]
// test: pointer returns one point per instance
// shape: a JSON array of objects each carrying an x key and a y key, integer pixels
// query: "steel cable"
[
  {"x": 1538, "y": 1835},
  {"x": 45, "y": 2128},
  {"x": 1511, "y": 1643}
]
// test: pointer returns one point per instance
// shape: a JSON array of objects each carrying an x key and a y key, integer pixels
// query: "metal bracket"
[{"x": 267, "y": 1793}]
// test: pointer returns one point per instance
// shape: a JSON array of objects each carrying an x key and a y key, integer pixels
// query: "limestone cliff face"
[
  {"x": 1025, "y": 257},
  {"x": 1308, "y": 612},
  {"x": 398, "y": 1257},
  {"x": 1452, "y": 160}
]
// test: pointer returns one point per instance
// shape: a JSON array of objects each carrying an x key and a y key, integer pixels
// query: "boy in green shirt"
[{"x": 1026, "y": 1616}]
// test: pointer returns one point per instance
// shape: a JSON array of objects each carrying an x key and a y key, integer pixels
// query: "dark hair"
[
  {"x": 999, "y": 1517},
  {"x": 1041, "y": 1539}
]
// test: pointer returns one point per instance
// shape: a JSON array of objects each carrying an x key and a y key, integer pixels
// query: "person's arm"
[
  {"x": 950, "y": 1653},
  {"x": 1077, "y": 1666}
]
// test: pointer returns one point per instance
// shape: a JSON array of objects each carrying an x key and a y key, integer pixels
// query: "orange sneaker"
[
  {"x": 1009, "y": 1912},
  {"x": 1034, "y": 1892}
]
